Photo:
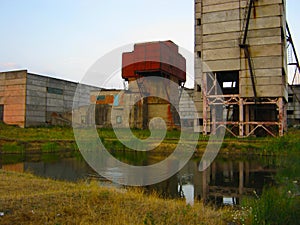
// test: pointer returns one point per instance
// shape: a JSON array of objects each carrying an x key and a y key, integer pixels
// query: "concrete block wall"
[
  {"x": 28, "y": 99},
  {"x": 218, "y": 31},
  {"x": 47, "y": 95},
  {"x": 186, "y": 107},
  {"x": 267, "y": 42},
  {"x": 36, "y": 101},
  {"x": 12, "y": 97},
  {"x": 293, "y": 111}
]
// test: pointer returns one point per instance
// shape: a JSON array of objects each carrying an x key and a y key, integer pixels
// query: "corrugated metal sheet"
[{"x": 162, "y": 56}]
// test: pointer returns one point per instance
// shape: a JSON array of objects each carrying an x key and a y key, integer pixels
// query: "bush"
[{"x": 275, "y": 206}]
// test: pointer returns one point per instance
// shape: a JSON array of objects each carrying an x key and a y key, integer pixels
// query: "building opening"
[
  {"x": 229, "y": 82},
  {"x": 1, "y": 112}
]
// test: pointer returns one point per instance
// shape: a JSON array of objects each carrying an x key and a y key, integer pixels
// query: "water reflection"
[
  {"x": 49, "y": 165},
  {"x": 226, "y": 181}
]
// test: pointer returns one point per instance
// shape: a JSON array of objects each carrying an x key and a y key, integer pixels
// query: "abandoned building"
[
  {"x": 28, "y": 99},
  {"x": 110, "y": 109},
  {"x": 138, "y": 105},
  {"x": 293, "y": 111},
  {"x": 152, "y": 59},
  {"x": 241, "y": 67},
  {"x": 104, "y": 100}
]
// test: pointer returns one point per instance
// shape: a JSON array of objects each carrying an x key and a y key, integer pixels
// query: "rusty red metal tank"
[{"x": 159, "y": 58}]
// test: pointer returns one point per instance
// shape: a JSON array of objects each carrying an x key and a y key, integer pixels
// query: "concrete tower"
[{"x": 240, "y": 62}]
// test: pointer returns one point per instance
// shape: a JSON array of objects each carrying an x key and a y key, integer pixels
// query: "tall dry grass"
[{"x": 26, "y": 199}]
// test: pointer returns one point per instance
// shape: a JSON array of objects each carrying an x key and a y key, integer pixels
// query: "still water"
[{"x": 226, "y": 181}]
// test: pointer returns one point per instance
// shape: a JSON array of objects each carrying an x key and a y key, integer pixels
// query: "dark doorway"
[{"x": 1, "y": 112}]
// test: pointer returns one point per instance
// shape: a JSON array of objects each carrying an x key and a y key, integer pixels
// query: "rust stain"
[{"x": 254, "y": 11}]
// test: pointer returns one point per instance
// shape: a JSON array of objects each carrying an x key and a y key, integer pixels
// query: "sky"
[{"x": 64, "y": 38}]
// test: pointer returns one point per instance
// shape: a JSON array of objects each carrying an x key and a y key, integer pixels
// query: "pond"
[{"x": 226, "y": 181}]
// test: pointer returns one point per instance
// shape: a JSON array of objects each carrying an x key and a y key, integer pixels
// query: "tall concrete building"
[
  {"x": 28, "y": 99},
  {"x": 240, "y": 66}
]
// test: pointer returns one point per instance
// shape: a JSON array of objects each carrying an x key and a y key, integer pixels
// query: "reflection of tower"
[
  {"x": 226, "y": 182},
  {"x": 155, "y": 59}
]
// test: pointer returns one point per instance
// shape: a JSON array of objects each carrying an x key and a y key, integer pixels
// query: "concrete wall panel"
[
  {"x": 219, "y": 37},
  {"x": 215, "y": 2},
  {"x": 277, "y": 72},
  {"x": 224, "y": 53},
  {"x": 265, "y": 23},
  {"x": 221, "y": 44},
  {"x": 262, "y": 91},
  {"x": 222, "y": 27},
  {"x": 263, "y": 63},
  {"x": 221, "y": 7},
  {"x": 222, "y": 65},
  {"x": 221, "y": 16}
]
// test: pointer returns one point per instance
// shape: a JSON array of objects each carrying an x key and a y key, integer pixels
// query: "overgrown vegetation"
[
  {"x": 49, "y": 147},
  {"x": 36, "y": 133},
  {"x": 48, "y": 139},
  {"x": 283, "y": 145},
  {"x": 26, "y": 199},
  {"x": 33, "y": 200},
  {"x": 278, "y": 204},
  {"x": 13, "y": 147}
]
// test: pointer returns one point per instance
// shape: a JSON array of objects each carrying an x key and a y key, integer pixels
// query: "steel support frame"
[{"x": 245, "y": 126}]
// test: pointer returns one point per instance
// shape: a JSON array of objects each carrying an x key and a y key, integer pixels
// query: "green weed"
[{"x": 12, "y": 147}]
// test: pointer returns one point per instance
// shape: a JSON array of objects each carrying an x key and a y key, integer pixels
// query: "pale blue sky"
[{"x": 63, "y": 38}]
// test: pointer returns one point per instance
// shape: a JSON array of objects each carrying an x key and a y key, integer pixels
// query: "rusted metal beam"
[
  {"x": 241, "y": 117},
  {"x": 245, "y": 47},
  {"x": 205, "y": 103},
  {"x": 247, "y": 22},
  {"x": 281, "y": 117},
  {"x": 290, "y": 40},
  {"x": 247, "y": 55}
]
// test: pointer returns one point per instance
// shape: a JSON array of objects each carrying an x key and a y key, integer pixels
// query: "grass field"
[
  {"x": 26, "y": 199},
  {"x": 52, "y": 139}
]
